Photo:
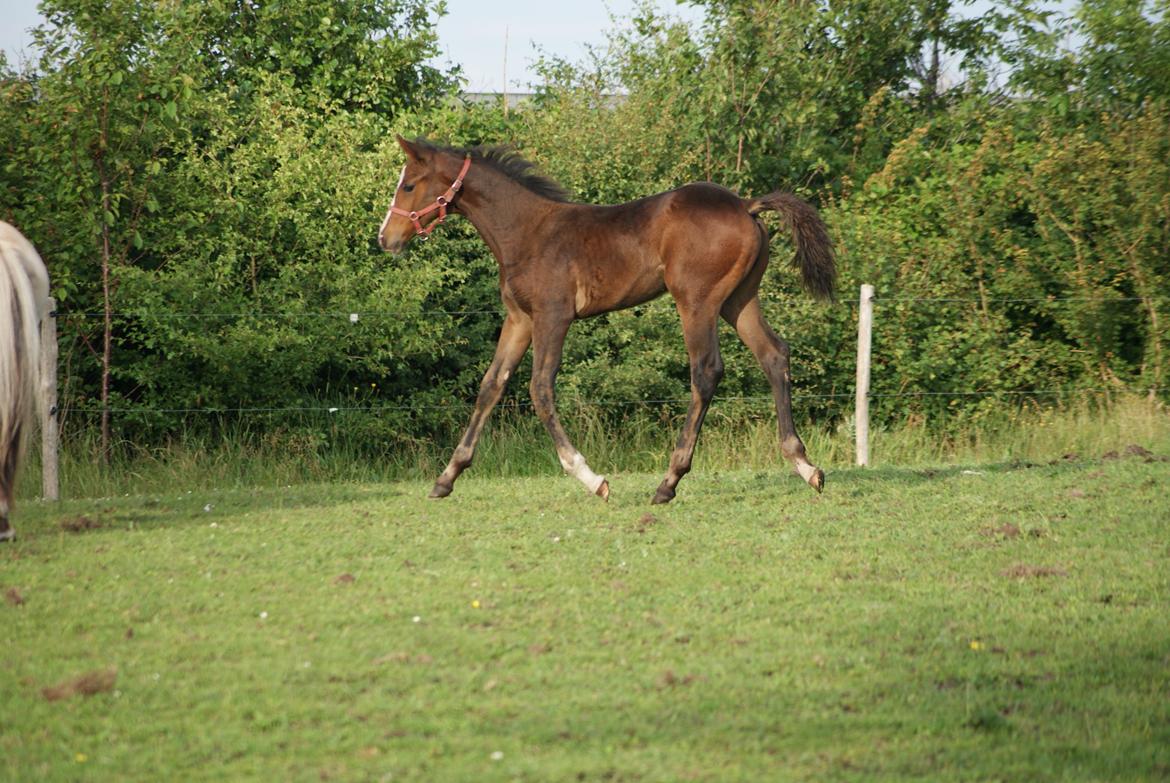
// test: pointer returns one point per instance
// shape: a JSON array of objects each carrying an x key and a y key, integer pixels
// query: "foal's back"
[{"x": 689, "y": 241}]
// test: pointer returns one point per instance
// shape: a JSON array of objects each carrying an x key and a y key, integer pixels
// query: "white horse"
[{"x": 24, "y": 297}]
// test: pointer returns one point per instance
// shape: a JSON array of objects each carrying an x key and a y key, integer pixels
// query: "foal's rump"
[
  {"x": 711, "y": 220},
  {"x": 24, "y": 294}
]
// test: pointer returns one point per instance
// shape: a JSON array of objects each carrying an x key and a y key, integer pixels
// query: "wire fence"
[
  {"x": 604, "y": 403},
  {"x": 357, "y": 315},
  {"x": 863, "y": 309}
]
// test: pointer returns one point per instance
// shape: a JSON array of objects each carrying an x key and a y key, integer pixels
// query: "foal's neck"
[{"x": 503, "y": 211}]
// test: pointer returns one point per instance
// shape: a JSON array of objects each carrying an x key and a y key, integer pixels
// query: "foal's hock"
[{"x": 560, "y": 261}]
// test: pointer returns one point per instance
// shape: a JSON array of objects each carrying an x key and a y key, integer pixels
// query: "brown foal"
[{"x": 560, "y": 261}]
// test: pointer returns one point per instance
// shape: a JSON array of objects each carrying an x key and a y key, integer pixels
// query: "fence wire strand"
[
  {"x": 355, "y": 316},
  {"x": 351, "y": 314},
  {"x": 577, "y": 401}
]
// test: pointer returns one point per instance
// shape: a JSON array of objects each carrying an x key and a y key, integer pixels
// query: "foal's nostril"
[{"x": 391, "y": 246}]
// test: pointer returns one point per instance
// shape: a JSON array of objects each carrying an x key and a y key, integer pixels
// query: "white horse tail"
[{"x": 24, "y": 295}]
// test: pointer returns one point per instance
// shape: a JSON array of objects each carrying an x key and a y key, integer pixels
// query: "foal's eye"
[{"x": 408, "y": 188}]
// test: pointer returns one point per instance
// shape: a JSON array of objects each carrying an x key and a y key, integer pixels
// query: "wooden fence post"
[
  {"x": 50, "y": 431},
  {"x": 864, "y": 346}
]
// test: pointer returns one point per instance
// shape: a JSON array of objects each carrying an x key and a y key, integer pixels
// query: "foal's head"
[{"x": 429, "y": 181}]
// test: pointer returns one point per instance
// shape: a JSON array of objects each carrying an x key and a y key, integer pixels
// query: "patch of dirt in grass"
[
  {"x": 344, "y": 579},
  {"x": 1007, "y": 530},
  {"x": 13, "y": 596},
  {"x": 668, "y": 679},
  {"x": 1134, "y": 450},
  {"x": 80, "y": 524},
  {"x": 1025, "y": 571},
  {"x": 97, "y": 681},
  {"x": 403, "y": 657},
  {"x": 645, "y": 522}
]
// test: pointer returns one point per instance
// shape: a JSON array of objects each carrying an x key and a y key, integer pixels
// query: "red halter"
[{"x": 439, "y": 203}]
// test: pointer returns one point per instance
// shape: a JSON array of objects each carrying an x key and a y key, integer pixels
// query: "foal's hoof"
[
  {"x": 7, "y": 534},
  {"x": 664, "y": 495},
  {"x": 441, "y": 490},
  {"x": 603, "y": 491},
  {"x": 817, "y": 481}
]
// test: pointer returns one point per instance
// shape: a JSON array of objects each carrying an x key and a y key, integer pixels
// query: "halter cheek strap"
[{"x": 439, "y": 203}]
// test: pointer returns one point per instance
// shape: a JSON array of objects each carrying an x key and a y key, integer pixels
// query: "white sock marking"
[{"x": 578, "y": 469}]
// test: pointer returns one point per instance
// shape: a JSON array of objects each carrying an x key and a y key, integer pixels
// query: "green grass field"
[{"x": 981, "y": 621}]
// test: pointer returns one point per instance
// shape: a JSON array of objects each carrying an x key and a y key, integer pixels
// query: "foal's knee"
[
  {"x": 705, "y": 376},
  {"x": 541, "y": 393}
]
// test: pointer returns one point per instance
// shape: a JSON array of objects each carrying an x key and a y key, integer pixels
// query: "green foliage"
[
  {"x": 1039, "y": 247},
  {"x": 227, "y": 165},
  {"x": 365, "y": 56},
  {"x": 1119, "y": 60}
]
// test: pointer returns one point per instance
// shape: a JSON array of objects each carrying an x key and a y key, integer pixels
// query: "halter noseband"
[{"x": 439, "y": 203}]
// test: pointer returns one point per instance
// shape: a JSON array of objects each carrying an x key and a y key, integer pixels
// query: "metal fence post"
[{"x": 864, "y": 346}]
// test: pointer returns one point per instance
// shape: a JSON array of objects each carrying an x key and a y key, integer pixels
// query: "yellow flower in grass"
[{"x": 976, "y": 644}]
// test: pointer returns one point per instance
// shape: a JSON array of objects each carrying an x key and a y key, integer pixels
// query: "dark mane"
[{"x": 506, "y": 160}]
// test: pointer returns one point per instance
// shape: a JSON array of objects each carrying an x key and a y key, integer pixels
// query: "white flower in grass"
[{"x": 497, "y": 755}]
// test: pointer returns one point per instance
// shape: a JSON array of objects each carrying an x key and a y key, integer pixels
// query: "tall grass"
[{"x": 737, "y": 434}]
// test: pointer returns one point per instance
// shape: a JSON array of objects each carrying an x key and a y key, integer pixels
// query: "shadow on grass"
[
  {"x": 856, "y": 480},
  {"x": 88, "y": 516}
]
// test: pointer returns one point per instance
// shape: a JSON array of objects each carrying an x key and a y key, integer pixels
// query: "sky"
[{"x": 472, "y": 34}]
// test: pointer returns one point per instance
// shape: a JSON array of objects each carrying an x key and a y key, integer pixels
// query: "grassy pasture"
[{"x": 981, "y": 621}]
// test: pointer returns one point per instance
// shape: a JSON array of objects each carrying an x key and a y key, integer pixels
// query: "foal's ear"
[{"x": 412, "y": 152}]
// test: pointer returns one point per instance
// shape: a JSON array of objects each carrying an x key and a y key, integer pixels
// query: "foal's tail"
[
  {"x": 814, "y": 248},
  {"x": 24, "y": 289}
]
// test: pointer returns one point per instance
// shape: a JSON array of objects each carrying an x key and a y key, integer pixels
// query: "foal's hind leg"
[
  {"x": 772, "y": 353},
  {"x": 700, "y": 331},
  {"x": 515, "y": 336},
  {"x": 547, "y": 346}
]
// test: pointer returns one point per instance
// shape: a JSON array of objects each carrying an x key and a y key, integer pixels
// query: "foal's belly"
[{"x": 601, "y": 290}]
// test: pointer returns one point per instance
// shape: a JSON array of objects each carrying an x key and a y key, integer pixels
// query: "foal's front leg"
[
  {"x": 547, "y": 344},
  {"x": 515, "y": 336}
]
